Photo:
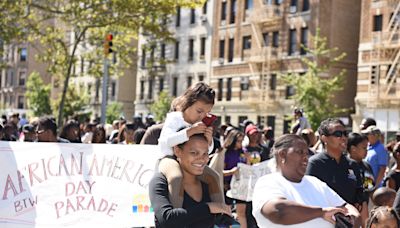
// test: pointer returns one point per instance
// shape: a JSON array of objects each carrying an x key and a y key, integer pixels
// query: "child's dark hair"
[
  {"x": 232, "y": 138},
  {"x": 376, "y": 215},
  {"x": 354, "y": 139},
  {"x": 198, "y": 92}
]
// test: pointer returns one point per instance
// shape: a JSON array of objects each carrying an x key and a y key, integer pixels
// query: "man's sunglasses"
[{"x": 338, "y": 134}]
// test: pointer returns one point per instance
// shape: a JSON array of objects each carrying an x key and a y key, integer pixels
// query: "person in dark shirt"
[
  {"x": 357, "y": 145},
  {"x": 392, "y": 180},
  {"x": 333, "y": 167},
  {"x": 197, "y": 210}
]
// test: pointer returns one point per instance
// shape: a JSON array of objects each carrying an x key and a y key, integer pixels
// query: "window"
[
  {"x": 220, "y": 89},
  {"x": 189, "y": 81},
  {"x": 113, "y": 90},
  {"x": 23, "y": 55},
  {"x": 97, "y": 85},
  {"x": 20, "y": 104},
  {"x": 246, "y": 42},
  {"x": 22, "y": 78},
  {"x": 228, "y": 119},
  {"x": 11, "y": 79},
  {"x": 162, "y": 51},
  {"x": 272, "y": 82},
  {"x": 223, "y": 11},
  {"x": 150, "y": 90},
  {"x": 202, "y": 47},
  {"x": 176, "y": 50},
  {"x": 377, "y": 23},
  {"x": 229, "y": 89},
  {"x": 222, "y": 49},
  {"x": 82, "y": 65},
  {"x": 160, "y": 84},
  {"x": 178, "y": 17},
  {"x": 244, "y": 83},
  {"x": 304, "y": 41},
  {"x": 292, "y": 41},
  {"x": 141, "y": 90},
  {"x": 233, "y": 12},
  {"x": 293, "y": 6},
  {"x": 230, "y": 50},
  {"x": 275, "y": 39},
  {"x": 289, "y": 92},
  {"x": 201, "y": 78},
  {"x": 191, "y": 51},
  {"x": 89, "y": 89},
  {"x": 143, "y": 62},
  {"x": 266, "y": 38},
  {"x": 248, "y": 4},
  {"x": 192, "y": 16},
  {"x": 205, "y": 8},
  {"x": 306, "y": 5},
  {"x": 175, "y": 86},
  {"x": 286, "y": 124},
  {"x": 271, "y": 123}
]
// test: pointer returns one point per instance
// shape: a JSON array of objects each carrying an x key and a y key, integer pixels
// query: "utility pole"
[{"x": 107, "y": 50}]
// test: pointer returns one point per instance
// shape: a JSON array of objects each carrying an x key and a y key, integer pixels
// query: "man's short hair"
[{"x": 48, "y": 123}]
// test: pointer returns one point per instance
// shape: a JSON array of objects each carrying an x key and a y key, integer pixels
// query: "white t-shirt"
[
  {"x": 310, "y": 191},
  {"x": 170, "y": 136}
]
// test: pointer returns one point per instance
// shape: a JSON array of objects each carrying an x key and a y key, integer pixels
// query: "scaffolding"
[
  {"x": 386, "y": 51},
  {"x": 265, "y": 15}
]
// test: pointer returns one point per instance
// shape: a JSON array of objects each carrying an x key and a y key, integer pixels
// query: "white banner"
[
  {"x": 75, "y": 185},
  {"x": 242, "y": 185}
]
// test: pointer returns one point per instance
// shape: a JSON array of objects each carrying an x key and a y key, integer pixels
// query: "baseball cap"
[
  {"x": 27, "y": 128},
  {"x": 245, "y": 123},
  {"x": 371, "y": 130},
  {"x": 251, "y": 129}
]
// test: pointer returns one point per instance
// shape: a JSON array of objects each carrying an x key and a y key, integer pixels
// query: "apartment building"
[
  {"x": 21, "y": 62},
  {"x": 378, "y": 87},
  {"x": 256, "y": 40},
  {"x": 120, "y": 88},
  {"x": 175, "y": 66}
]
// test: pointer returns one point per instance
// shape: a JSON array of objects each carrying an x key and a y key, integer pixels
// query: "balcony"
[
  {"x": 259, "y": 55},
  {"x": 266, "y": 14},
  {"x": 387, "y": 39}
]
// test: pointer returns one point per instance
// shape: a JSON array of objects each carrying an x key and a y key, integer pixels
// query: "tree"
[
  {"x": 63, "y": 27},
  {"x": 114, "y": 111},
  {"x": 161, "y": 107},
  {"x": 76, "y": 102},
  {"x": 314, "y": 90},
  {"x": 38, "y": 95}
]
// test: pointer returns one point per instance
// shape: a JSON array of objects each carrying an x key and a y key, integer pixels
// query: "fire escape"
[
  {"x": 265, "y": 17},
  {"x": 386, "y": 89}
]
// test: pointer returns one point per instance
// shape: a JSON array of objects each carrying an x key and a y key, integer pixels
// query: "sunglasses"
[
  {"x": 40, "y": 131},
  {"x": 338, "y": 134}
]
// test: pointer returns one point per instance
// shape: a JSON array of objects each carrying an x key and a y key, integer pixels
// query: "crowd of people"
[{"x": 325, "y": 178}]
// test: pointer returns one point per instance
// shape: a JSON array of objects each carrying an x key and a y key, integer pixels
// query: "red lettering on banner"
[
  {"x": 32, "y": 173},
  {"x": 9, "y": 186},
  {"x": 62, "y": 164},
  {"x": 94, "y": 165},
  {"x": 82, "y": 203},
  {"x": 128, "y": 166}
]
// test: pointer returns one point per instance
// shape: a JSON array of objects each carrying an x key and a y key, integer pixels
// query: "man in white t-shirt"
[{"x": 288, "y": 198}]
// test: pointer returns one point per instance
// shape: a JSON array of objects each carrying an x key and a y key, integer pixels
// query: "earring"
[{"x": 283, "y": 161}]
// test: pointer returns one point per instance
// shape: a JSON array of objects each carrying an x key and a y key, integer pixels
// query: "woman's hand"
[
  {"x": 329, "y": 212},
  {"x": 218, "y": 208},
  {"x": 197, "y": 128}
]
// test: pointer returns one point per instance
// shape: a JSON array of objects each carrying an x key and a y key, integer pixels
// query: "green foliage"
[
  {"x": 316, "y": 88},
  {"x": 38, "y": 95},
  {"x": 114, "y": 111},
  {"x": 161, "y": 107},
  {"x": 61, "y": 28},
  {"x": 76, "y": 102}
]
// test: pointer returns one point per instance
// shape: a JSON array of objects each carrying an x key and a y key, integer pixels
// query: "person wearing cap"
[
  {"x": 29, "y": 133},
  {"x": 377, "y": 155},
  {"x": 255, "y": 152},
  {"x": 366, "y": 122}
]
